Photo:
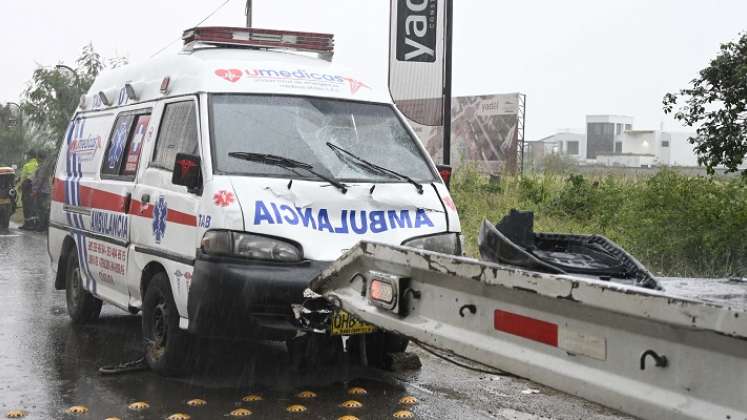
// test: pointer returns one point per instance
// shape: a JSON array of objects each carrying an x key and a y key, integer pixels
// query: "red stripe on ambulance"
[
  {"x": 104, "y": 200},
  {"x": 91, "y": 197},
  {"x": 137, "y": 208}
]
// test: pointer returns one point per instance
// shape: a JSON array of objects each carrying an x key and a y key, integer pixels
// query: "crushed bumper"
[{"x": 237, "y": 298}]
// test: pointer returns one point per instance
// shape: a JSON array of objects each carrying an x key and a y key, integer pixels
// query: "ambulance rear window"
[
  {"x": 125, "y": 143},
  {"x": 300, "y": 128}
]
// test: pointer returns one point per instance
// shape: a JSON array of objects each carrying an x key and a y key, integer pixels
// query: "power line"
[{"x": 198, "y": 24}]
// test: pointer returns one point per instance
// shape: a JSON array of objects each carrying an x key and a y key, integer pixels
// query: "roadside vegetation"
[{"x": 676, "y": 225}]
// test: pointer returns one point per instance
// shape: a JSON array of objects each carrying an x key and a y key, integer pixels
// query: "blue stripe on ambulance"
[{"x": 74, "y": 172}]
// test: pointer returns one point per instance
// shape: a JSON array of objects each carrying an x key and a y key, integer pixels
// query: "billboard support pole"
[
  {"x": 248, "y": 13},
  {"x": 447, "y": 81},
  {"x": 521, "y": 126}
]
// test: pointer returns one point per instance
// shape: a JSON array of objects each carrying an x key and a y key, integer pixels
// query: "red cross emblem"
[{"x": 223, "y": 198}]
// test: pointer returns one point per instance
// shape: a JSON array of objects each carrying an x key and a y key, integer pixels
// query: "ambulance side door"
[{"x": 164, "y": 215}]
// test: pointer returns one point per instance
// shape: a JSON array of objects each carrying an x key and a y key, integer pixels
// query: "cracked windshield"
[
  {"x": 373, "y": 209},
  {"x": 333, "y": 136}
]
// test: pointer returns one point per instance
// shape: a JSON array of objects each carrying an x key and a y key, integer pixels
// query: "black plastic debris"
[{"x": 513, "y": 241}]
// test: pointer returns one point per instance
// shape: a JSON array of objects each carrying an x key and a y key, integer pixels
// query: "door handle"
[{"x": 144, "y": 199}]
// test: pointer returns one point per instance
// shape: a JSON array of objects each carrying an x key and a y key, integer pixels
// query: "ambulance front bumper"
[{"x": 238, "y": 298}]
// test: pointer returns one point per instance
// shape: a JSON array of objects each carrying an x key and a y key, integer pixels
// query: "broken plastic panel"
[{"x": 513, "y": 241}]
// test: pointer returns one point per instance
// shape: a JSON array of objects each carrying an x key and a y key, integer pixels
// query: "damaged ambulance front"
[{"x": 311, "y": 177}]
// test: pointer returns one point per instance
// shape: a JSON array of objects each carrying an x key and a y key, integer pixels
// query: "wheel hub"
[
  {"x": 75, "y": 291},
  {"x": 160, "y": 324}
]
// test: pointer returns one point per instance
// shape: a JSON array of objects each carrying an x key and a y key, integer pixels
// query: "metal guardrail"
[{"x": 647, "y": 353}]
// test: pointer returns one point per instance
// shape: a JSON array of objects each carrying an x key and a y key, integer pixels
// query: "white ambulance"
[{"x": 207, "y": 188}]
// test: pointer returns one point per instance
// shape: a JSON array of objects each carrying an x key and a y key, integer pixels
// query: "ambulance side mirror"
[
  {"x": 445, "y": 172},
  {"x": 188, "y": 172}
]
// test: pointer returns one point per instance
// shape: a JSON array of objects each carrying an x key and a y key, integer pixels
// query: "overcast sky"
[{"x": 571, "y": 58}]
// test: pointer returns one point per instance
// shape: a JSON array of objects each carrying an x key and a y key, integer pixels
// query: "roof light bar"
[{"x": 323, "y": 44}]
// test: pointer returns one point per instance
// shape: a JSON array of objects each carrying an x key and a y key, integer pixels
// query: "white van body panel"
[
  {"x": 233, "y": 71},
  {"x": 326, "y": 222},
  {"x": 124, "y": 226}
]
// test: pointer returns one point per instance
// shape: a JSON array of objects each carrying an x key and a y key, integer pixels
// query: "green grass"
[{"x": 675, "y": 224}]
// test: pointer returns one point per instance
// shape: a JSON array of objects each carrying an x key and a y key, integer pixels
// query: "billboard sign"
[
  {"x": 416, "y": 30},
  {"x": 484, "y": 132},
  {"x": 416, "y": 59}
]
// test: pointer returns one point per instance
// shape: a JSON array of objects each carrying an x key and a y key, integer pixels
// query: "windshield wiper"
[
  {"x": 287, "y": 163},
  {"x": 376, "y": 167}
]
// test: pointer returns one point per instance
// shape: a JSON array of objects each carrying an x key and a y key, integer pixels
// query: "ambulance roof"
[{"x": 228, "y": 70}]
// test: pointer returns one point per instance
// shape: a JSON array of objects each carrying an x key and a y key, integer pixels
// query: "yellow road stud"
[
  {"x": 347, "y": 418},
  {"x": 240, "y": 412},
  {"x": 179, "y": 416},
  {"x": 77, "y": 409},
  {"x": 15, "y": 414},
  {"x": 296, "y": 408},
  {"x": 356, "y": 390},
  {"x": 252, "y": 398},
  {"x": 351, "y": 404},
  {"x": 306, "y": 394},
  {"x": 404, "y": 414},
  {"x": 196, "y": 403},
  {"x": 139, "y": 405},
  {"x": 408, "y": 400}
]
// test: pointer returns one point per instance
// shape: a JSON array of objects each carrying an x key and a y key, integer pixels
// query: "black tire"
[
  {"x": 82, "y": 306},
  {"x": 378, "y": 345},
  {"x": 166, "y": 345},
  {"x": 5, "y": 213}
]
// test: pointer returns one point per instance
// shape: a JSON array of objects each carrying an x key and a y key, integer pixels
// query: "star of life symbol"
[
  {"x": 117, "y": 147},
  {"x": 223, "y": 198},
  {"x": 160, "y": 211}
]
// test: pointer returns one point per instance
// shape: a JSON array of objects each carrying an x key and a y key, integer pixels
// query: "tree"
[
  {"x": 11, "y": 141},
  {"x": 717, "y": 102},
  {"x": 53, "y": 93}
]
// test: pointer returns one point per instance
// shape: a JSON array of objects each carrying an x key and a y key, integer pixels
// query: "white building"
[
  {"x": 611, "y": 140},
  {"x": 602, "y": 132},
  {"x": 566, "y": 143},
  {"x": 639, "y": 148}
]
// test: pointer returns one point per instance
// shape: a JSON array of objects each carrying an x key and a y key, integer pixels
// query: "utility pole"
[
  {"x": 248, "y": 13},
  {"x": 447, "y": 81}
]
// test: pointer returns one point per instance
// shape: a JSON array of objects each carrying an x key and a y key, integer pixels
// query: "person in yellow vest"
[{"x": 25, "y": 187}]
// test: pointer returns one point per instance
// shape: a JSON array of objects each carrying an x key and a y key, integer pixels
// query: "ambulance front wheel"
[
  {"x": 166, "y": 345},
  {"x": 82, "y": 306}
]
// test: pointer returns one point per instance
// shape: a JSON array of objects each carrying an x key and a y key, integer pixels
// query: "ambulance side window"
[
  {"x": 177, "y": 134},
  {"x": 125, "y": 143}
]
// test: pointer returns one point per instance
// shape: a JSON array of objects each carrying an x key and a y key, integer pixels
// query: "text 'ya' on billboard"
[{"x": 416, "y": 59}]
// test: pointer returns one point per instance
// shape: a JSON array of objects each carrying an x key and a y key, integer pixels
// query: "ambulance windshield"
[{"x": 300, "y": 128}]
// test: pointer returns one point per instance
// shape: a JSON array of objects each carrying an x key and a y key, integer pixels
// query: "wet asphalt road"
[{"x": 48, "y": 366}]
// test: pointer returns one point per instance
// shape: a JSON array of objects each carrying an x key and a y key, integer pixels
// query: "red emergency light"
[{"x": 323, "y": 44}]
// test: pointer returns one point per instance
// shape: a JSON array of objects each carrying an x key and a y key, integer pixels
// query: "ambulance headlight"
[
  {"x": 445, "y": 243},
  {"x": 248, "y": 245}
]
